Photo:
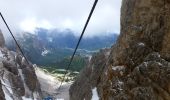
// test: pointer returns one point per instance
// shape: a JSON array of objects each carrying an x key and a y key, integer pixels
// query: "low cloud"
[{"x": 26, "y": 15}]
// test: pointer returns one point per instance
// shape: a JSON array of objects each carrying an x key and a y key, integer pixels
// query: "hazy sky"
[{"x": 26, "y": 15}]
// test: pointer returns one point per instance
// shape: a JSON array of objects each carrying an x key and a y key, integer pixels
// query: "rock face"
[
  {"x": 89, "y": 77},
  {"x": 139, "y": 63},
  {"x": 2, "y": 41},
  {"x": 18, "y": 80},
  {"x": 2, "y": 97}
]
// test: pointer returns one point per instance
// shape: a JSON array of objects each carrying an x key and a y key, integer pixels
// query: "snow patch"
[
  {"x": 34, "y": 66},
  {"x": 146, "y": 64},
  {"x": 159, "y": 64},
  {"x": 7, "y": 96},
  {"x": 36, "y": 95},
  {"x": 45, "y": 52},
  {"x": 90, "y": 58},
  {"x": 118, "y": 68},
  {"x": 1, "y": 55},
  {"x": 141, "y": 44},
  {"x": 24, "y": 98},
  {"x": 7, "y": 91},
  {"x": 7, "y": 86},
  {"x": 95, "y": 94},
  {"x": 23, "y": 60}
]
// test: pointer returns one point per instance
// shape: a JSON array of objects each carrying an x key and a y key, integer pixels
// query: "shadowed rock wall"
[{"x": 138, "y": 66}]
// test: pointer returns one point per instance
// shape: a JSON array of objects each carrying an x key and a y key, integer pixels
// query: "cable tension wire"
[
  {"x": 14, "y": 37},
  {"x": 81, "y": 36}
]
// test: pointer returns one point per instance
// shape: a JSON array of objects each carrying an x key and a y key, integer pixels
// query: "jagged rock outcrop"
[
  {"x": 89, "y": 77},
  {"x": 18, "y": 80},
  {"x": 139, "y": 63}
]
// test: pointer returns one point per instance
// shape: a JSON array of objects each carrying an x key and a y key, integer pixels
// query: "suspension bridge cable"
[
  {"x": 81, "y": 36},
  {"x": 14, "y": 37}
]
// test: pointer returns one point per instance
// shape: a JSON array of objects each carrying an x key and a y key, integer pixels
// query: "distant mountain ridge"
[
  {"x": 51, "y": 47},
  {"x": 66, "y": 38}
]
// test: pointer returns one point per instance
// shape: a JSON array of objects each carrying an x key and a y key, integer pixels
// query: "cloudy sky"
[{"x": 26, "y": 15}]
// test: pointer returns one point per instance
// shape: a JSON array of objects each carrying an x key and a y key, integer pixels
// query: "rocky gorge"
[{"x": 136, "y": 67}]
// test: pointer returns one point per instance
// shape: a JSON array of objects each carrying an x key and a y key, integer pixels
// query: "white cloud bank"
[{"x": 26, "y": 15}]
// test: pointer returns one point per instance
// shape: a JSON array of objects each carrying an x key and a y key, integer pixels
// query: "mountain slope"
[
  {"x": 18, "y": 80},
  {"x": 138, "y": 65}
]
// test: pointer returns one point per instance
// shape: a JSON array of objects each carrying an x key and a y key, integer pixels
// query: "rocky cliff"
[
  {"x": 18, "y": 80},
  {"x": 138, "y": 65}
]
